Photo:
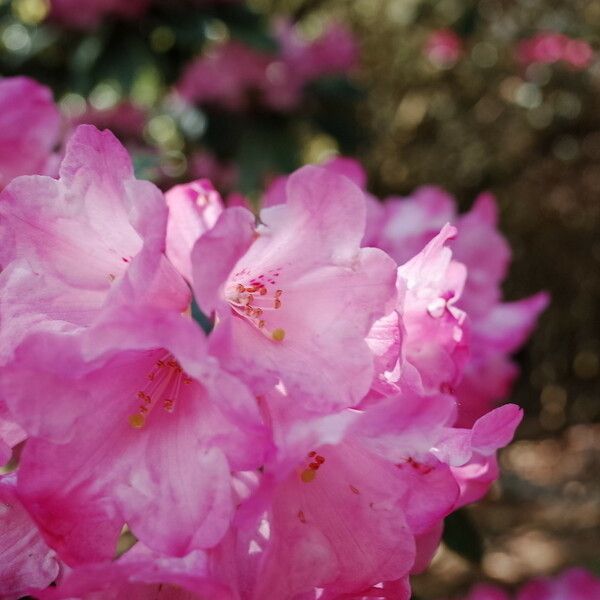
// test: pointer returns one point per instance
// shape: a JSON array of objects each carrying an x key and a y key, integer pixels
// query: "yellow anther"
[
  {"x": 278, "y": 334},
  {"x": 308, "y": 475},
  {"x": 137, "y": 421}
]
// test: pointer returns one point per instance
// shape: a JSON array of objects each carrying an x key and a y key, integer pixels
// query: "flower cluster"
[
  {"x": 231, "y": 72},
  {"x": 572, "y": 584},
  {"x": 275, "y": 406}
]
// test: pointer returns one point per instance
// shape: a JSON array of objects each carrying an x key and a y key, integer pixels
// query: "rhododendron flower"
[
  {"x": 79, "y": 239},
  {"x": 134, "y": 396},
  {"x": 224, "y": 75},
  {"x": 29, "y": 129},
  {"x": 229, "y": 73},
  {"x": 435, "y": 342},
  {"x": 302, "y": 61},
  {"x": 311, "y": 445},
  {"x": 26, "y": 562},
  {"x": 402, "y": 226},
  {"x": 136, "y": 401},
  {"x": 143, "y": 575},
  {"x": 357, "y": 507},
  {"x": 296, "y": 296}
]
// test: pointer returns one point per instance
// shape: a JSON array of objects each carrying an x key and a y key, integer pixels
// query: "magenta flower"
[
  {"x": 26, "y": 562},
  {"x": 29, "y": 129},
  {"x": 296, "y": 296}
]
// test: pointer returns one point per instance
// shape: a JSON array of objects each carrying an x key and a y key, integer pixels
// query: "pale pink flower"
[
  {"x": 26, "y": 562},
  {"x": 29, "y": 129},
  {"x": 435, "y": 343},
  {"x": 296, "y": 296},
  {"x": 79, "y": 239},
  {"x": 194, "y": 208}
]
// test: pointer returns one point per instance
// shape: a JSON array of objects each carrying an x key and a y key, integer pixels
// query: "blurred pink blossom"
[
  {"x": 29, "y": 129},
  {"x": 443, "y": 47},
  {"x": 229, "y": 75},
  {"x": 550, "y": 47}
]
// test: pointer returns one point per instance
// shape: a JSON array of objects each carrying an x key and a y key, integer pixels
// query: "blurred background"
[{"x": 500, "y": 95}]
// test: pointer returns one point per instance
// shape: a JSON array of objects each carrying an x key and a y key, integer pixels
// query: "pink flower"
[
  {"x": 77, "y": 240},
  {"x": 302, "y": 61},
  {"x": 401, "y": 227},
  {"x": 344, "y": 497},
  {"x": 550, "y": 47},
  {"x": 296, "y": 296},
  {"x": 29, "y": 128},
  {"x": 496, "y": 329},
  {"x": 224, "y": 75},
  {"x": 229, "y": 73},
  {"x": 435, "y": 340},
  {"x": 86, "y": 14},
  {"x": 443, "y": 47},
  {"x": 26, "y": 562},
  {"x": 194, "y": 208},
  {"x": 112, "y": 383},
  {"x": 143, "y": 575}
]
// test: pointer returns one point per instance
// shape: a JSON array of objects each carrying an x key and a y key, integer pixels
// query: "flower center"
[
  {"x": 310, "y": 472},
  {"x": 257, "y": 300},
  {"x": 163, "y": 386}
]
